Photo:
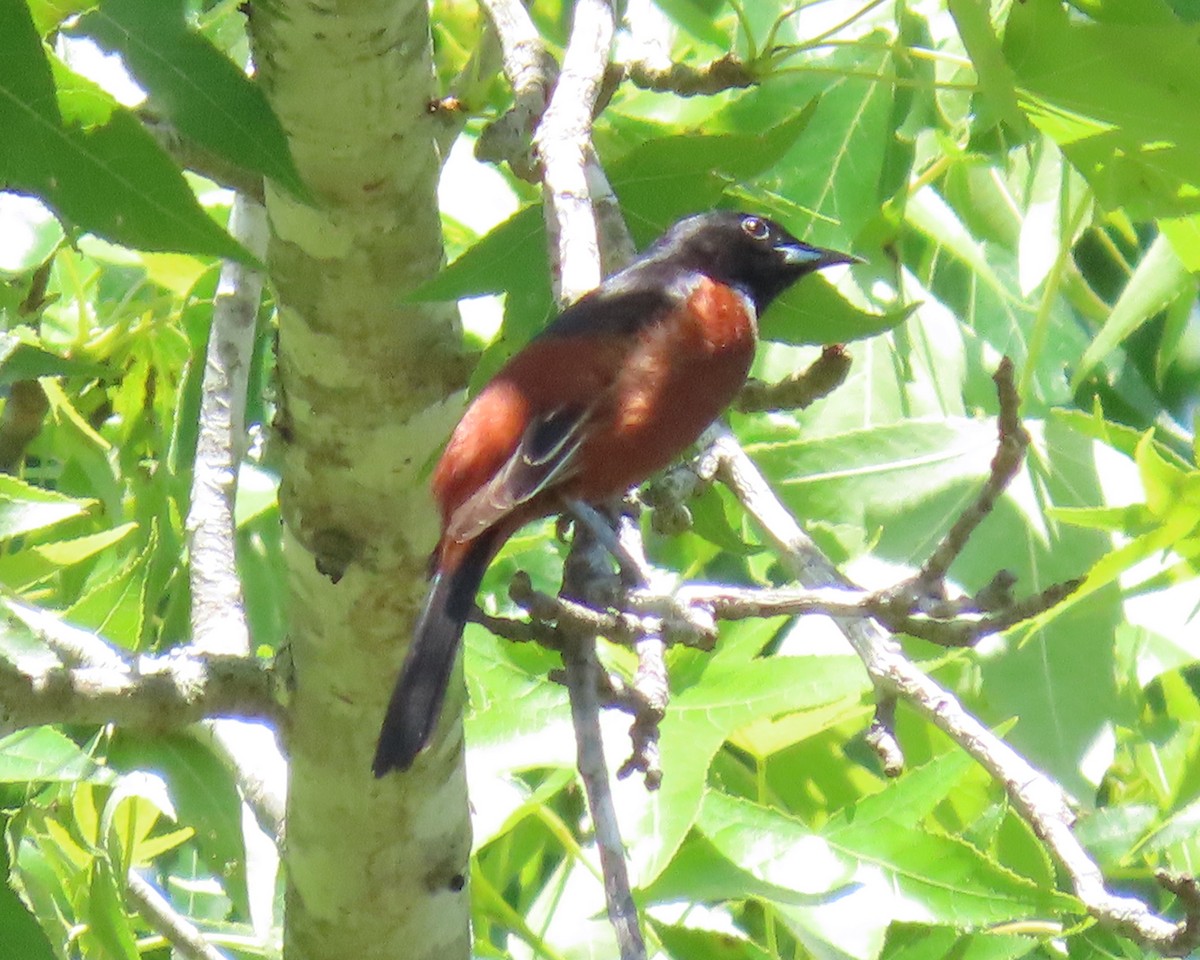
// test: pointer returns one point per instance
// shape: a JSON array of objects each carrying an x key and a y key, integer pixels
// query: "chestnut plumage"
[{"x": 615, "y": 388}]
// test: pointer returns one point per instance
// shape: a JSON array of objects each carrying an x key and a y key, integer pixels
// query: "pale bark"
[{"x": 375, "y": 868}]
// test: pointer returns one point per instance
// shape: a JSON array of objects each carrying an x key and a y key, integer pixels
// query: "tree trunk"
[{"x": 374, "y": 868}]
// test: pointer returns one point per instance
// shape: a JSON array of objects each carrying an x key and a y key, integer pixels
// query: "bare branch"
[
  {"x": 218, "y": 619},
  {"x": 157, "y": 693},
  {"x": 1038, "y": 799},
  {"x": 570, "y": 172},
  {"x": 181, "y": 933},
  {"x": 189, "y": 154},
  {"x": 685, "y": 80},
  {"x": 563, "y": 142},
  {"x": 218, "y": 614},
  {"x": 583, "y": 676},
  {"x": 800, "y": 390},
  {"x": 531, "y": 73},
  {"x": 1010, "y": 454}
]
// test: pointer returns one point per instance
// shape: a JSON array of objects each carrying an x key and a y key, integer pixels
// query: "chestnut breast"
[{"x": 682, "y": 373}]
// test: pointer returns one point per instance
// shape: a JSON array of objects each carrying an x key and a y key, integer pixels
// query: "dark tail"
[{"x": 416, "y": 702}]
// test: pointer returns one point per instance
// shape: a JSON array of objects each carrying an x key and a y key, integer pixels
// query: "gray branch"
[
  {"x": 218, "y": 612},
  {"x": 1039, "y": 799},
  {"x": 181, "y": 933}
]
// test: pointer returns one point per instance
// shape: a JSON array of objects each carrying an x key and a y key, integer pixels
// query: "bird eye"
[{"x": 755, "y": 228}]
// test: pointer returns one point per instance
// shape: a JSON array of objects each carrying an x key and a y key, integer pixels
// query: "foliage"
[{"x": 1022, "y": 179}]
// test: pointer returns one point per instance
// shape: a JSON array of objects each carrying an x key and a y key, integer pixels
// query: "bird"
[{"x": 612, "y": 390}]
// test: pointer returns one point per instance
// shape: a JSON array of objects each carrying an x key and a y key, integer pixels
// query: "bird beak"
[{"x": 814, "y": 258}]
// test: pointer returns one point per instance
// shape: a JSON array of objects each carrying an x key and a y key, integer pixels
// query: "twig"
[
  {"x": 219, "y": 622},
  {"x": 187, "y": 153},
  {"x": 685, "y": 80},
  {"x": 531, "y": 73},
  {"x": 1038, "y": 799},
  {"x": 181, "y": 933},
  {"x": 583, "y": 676},
  {"x": 802, "y": 389},
  {"x": 650, "y": 684},
  {"x": 563, "y": 140},
  {"x": 1010, "y": 454},
  {"x": 157, "y": 693}
]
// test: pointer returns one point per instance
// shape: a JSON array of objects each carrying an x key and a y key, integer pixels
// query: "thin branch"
[
  {"x": 157, "y": 693},
  {"x": 1010, "y": 454},
  {"x": 1038, "y": 799},
  {"x": 570, "y": 171},
  {"x": 218, "y": 618},
  {"x": 801, "y": 389},
  {"x": 531, "y": 73},
  {"x": 685, "y": 80},
  {"x": 184, "y": 937},
  {"x": 585, "y": 566},
  {"x": 651, "y": 688},
  {"x": 563, "y": 142},
  {"x": 218, "y": 613},
  {"x": 189, "y": 154}
]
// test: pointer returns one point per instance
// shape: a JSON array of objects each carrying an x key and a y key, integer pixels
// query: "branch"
[
  {"x": 563, "y": 142},
  {"x": 1010, "y": 454},
  {"x": 685, "y": 80},
  {"x": 1038, "y": 799},
  {"x": 189, "y": 154},
  {"x": 181, "y": 933},
  {"x": 802, "y": 389},
  {"x": 81, "y": 679},
  {"x": 155, "y": 693},
  {"x": 570, "y": 171},
  {"x": 218, "y": 619},
  {"x": 218, "y": 614},
  {"x": 531, "y": 73},
  {"x": 585, "y": 566}
]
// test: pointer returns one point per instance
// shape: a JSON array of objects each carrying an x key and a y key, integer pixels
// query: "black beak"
[{"x": 814, "y": 258}]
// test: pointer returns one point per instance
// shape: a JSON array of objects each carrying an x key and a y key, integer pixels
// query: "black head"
[{"x": 751, "y": 253}]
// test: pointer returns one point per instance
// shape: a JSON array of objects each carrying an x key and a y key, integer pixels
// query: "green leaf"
[
  {"x": 836, "y": 170},
  {"x": 108, "y": 927},
  {"x": 669, "y": 177},
  {"x": 846, "y": 477},
  {"x": 24, "y": 361},
  {"x": 703, "y": 716},
  {"x": 114, "y": 608},
  {"x": 1159, "y": 279},
  {"x": 44, "y": 754},
  {"x": 972, "y": 17},
  {"x": 701, "y": 872},
  {"x": 24, "y": 938},
  {"x": 913, "y": 941},
  {"x": 197, "y": 87},
  {"x": 909, "y": 800},
  {"x": 1127, "y": 128},
  {"x": 813, "y": 312},
  {"x": 776, "y": 850},
  {"x": 699, "y": 18},
  {"x": 89, "y": 159},
  {"x": 204, "y": 797},
  {"x": 951, "y": 880},
  {"x": 25, "y": 508},
  {"x": 1184, "y": 235},
  {"x": 1172, "y": 494},
  {"x": 691, "y": 943}
]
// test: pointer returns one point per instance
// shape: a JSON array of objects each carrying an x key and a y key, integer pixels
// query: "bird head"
[{"x": 751, "y": 253}]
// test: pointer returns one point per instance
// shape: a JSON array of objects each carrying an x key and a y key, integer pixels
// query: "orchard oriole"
[{"x": 615, "y": 388}]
